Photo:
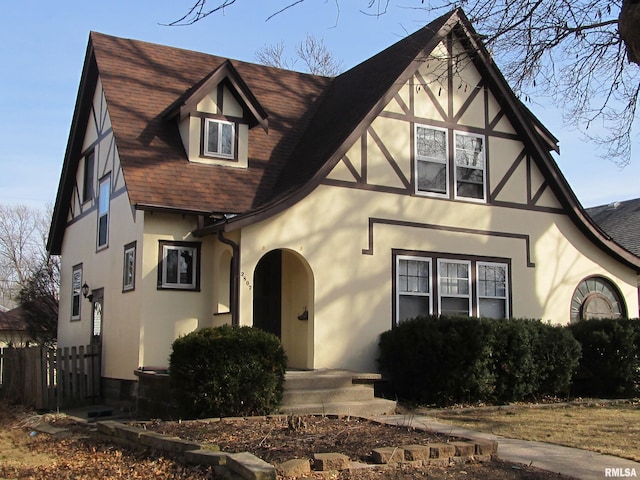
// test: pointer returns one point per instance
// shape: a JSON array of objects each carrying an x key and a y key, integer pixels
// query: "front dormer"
[{"x": 215, "y": 117}]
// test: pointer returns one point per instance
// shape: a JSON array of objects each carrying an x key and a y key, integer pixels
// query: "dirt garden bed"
[{"x": 81, "y": 456}]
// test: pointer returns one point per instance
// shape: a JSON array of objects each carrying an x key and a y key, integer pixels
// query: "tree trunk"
[{"x": 629, "y": 28}]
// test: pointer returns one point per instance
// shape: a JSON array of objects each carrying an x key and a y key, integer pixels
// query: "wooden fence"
[{"x": 50, "y": 378}]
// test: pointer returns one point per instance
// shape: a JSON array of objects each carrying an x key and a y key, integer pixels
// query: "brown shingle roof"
[
  {"x": 142, "y": 80},
  {"x": 12, "y": 321}
]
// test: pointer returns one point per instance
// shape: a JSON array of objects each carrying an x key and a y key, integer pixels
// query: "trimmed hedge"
[
  {"x": 227, "y": 371},
  {"x": 610, "y": 364},
  {"x": 440, "y": 360}
]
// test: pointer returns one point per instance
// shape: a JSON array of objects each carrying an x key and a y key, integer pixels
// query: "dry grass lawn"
[{"x": 611, "y": 428}]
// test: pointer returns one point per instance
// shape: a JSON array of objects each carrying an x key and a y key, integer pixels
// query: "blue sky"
[{"x": 43, "y": 42}]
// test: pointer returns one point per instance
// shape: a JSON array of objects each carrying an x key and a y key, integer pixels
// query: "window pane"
[
  {"x": 470, "y": 190},
  {"x": 75, "y": 308},
  {"x": 412, "y": 306},
  {"x": 212, "y": 140},
  {"x": 102, "y": 230},
  {"x": 226, "y": 140},
  {"x": 171, "y": 266},
  {"x": 432, "y": 177},
  {"x": 186, "y": 267},
  {"x": 454, "y": 306},
  {"x": 431, "y": 143},
  {"x": 413, "y": 276},
  {"x": 105, "y": 190},
  {"x": 492, "y": 308}
]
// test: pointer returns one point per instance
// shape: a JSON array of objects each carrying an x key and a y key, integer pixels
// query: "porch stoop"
[{"x": 332, "y": 392}]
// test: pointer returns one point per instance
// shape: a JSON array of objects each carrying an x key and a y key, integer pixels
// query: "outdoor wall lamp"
[
  {"x": 304, "y": 315},
  {"x": 85, "y": 292}
]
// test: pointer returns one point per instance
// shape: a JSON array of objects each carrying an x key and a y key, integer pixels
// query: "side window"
[
  {"x": 219, "y": 138},
  {"x": 597, "y": 297},
  {"x": 431, "y": 162},
  {"x": 179, "y": 265},
  {"x": 76, "y": 292},
  {"x": 454, "y": 287},
  {"x": 87, "y": 187},
  {"x": 103, "y": 211},
  {"x": 492, "y": 290},
  {"x": 129, "y": 267},
  {"x": 470, "y": 166},
  {"x": 413, "y": 287}
]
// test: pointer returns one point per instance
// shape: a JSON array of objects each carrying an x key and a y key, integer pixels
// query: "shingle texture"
[
  {"x": 309, "y": 117},
  {"x": 621, "y": 221}
]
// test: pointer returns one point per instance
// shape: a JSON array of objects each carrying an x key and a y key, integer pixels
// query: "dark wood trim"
[
  {"x": 539, "y": 192},
  {"x": 364, "y": 186},
  {"x": 425, "y": 87},
  {"x": 352, "y": 169},
  {"x": 449, "y": 125},
  {"x": 494, "y": 123},
  {"x": 403, "y": 106},
  {"x": 507, "y": 176},
  {"x": 364, "y": 157},
  {"x": 467, "y": 103},
  {"x": 387, "y": 154},
  {"x": 429, "y": 226},
  {"x": 530, "y": 208}
]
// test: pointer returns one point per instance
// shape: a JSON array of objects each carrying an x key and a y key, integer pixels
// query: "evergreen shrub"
[
  {"x": 227, "y": 371},
  {"x": 610, "y": 364},
  {"x": 445, "y": 360}
]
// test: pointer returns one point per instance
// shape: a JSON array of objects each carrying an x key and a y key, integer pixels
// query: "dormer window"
[{"x": 219, "y": 138}]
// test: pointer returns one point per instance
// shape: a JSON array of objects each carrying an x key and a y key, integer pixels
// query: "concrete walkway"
[{"x": 554, "y": 458}]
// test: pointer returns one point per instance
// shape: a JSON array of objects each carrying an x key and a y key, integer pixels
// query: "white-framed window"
[
  {"x": 179, "y": 266},
  {"x": 492, "y": 287},
  {"x": 470, "y": 172},
  {"x": 129, "y": 267},
  {"x": 76, "y": 292},
  {"x": 103, "y": 211},
  {"x": 219, "y": 138},
  {"x": 432, "y": 160},
  {"x": 454, "y": 287},
  {"x": 413, "y": 287}
]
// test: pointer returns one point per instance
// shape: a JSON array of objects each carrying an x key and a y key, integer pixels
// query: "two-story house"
[{"x": 198, "y": 190}]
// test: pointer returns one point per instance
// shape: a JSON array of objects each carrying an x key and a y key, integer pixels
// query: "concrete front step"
[
  {"x": 317, "y": 379},
  {"x": 332, "y": 392},
  {"x": 372, "y": 407},
  {"x": 352, "y": 393}
]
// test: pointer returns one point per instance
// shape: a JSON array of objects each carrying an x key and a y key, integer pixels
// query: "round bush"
[{"x": 227, "y": 371}]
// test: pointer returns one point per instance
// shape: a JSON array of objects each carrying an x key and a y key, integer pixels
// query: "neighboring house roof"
[
  {"x": 621, "y": 221},
  {"x": 12, "y": 321},
  {"x": 307, "y": 121}
]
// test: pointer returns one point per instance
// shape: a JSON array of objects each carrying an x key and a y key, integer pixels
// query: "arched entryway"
[{"x": 283, "y": 303}]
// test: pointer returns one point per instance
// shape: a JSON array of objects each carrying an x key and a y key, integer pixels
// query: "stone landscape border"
[{"x": 247, "y": 466}]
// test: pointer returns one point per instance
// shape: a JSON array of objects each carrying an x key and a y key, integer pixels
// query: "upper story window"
[
  {"x": 219, "y": 138},
  {"x": 470, "y": 163},
  {"x": 434, "y": 161},
  {"x": 87, "y": 187},
  {"x": 104, "y": 199},
  {"x": 432, "y": 166},
  {"x": 179, "y": 266}
]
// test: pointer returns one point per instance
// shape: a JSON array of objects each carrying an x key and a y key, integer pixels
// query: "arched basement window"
[{"x": 596, "y": 297}]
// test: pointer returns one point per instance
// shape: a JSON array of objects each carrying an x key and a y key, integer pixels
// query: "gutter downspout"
[{"x": 235, "y": 275}]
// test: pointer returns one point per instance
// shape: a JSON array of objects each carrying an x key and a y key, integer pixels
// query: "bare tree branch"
[{"x": 585, "y": 54}]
